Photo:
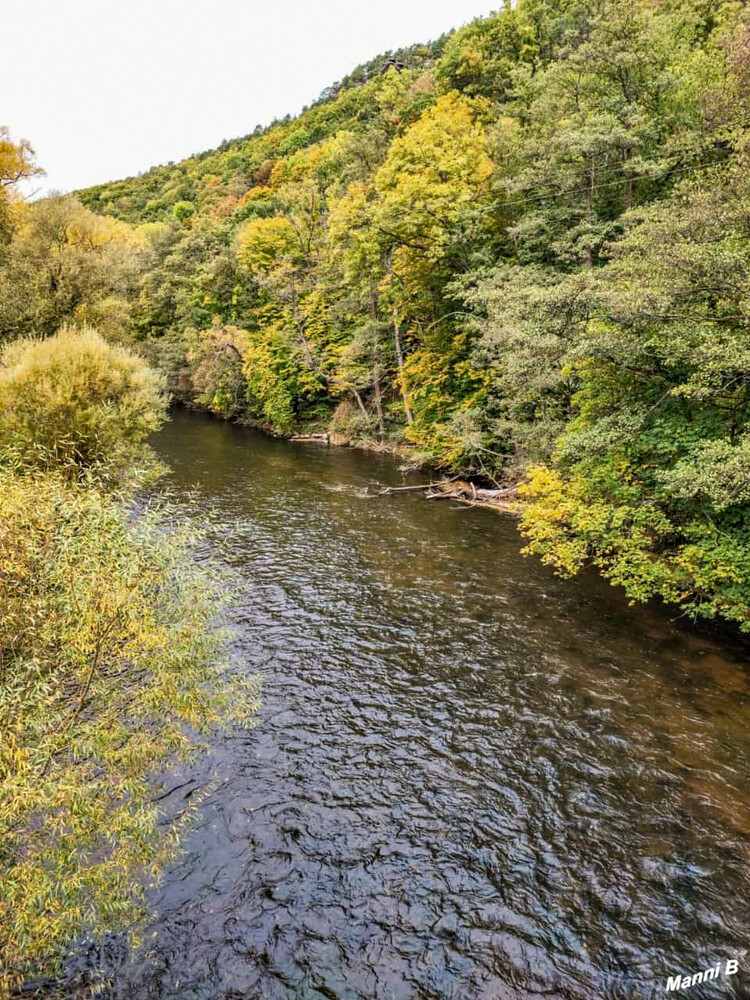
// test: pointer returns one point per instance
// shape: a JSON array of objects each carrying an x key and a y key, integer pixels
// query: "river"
[{"x": 469, "y": 779}]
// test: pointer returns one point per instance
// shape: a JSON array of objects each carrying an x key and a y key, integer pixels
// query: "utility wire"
[
  {"x": 622, "y": 174},
  {"x": 703, "y": 138},
  {"x": 558, "y": 196}
]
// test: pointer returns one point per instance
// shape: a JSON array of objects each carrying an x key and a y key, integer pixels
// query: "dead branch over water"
[{"x": 462, "y": 492}]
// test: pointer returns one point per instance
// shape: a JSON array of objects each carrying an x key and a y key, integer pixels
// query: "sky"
[{"x": 104, "y": 89}]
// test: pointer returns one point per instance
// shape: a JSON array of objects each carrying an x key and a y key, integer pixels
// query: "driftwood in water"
[
  {"x": 325, "y": 438},
  {"x": 403, "y": 489},
  {"x": 461, "y": 491}
]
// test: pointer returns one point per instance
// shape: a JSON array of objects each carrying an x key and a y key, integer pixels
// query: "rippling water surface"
[{"x": 469, "y": 779}]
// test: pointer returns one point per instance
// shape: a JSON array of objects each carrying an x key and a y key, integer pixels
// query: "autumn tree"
[
  {"x": 16, "y": 165},
  {"x": 67, "y": 264}
]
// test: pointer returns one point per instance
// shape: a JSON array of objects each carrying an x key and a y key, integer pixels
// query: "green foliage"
[
  {"x": 268, "y": 243},
  {"x": 691, "y": 561},
  {"x": 481, "y": 58},
  {"x": 191, "y": 275},
  {"x": 183, "y": 211},
  {"x": 110, "y": 665},
  {"x": 216, "y": 359},
  {"x": 74, "y": 402},
  {"x": 281, "y": 385},
  {"x": 654, "y": 469},
  {"x": 109, "y": 671}
]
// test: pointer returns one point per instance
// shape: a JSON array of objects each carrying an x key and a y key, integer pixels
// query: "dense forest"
[{"x": 521, "y": 252}]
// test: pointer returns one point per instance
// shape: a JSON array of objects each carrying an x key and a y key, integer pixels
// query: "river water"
[{"x": 469, "y": 779}]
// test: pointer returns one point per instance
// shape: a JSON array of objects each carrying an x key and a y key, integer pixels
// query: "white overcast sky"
[{"x": 104, "y": 89}]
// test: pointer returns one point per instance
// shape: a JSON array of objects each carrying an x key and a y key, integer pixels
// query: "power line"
[
  {"x": 623, "y": 175},
  {"x": 558, "y": 196},
  {"x": 703, "y": 139}
]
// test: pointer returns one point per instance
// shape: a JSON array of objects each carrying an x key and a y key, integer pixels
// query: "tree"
[
  {"x": 361, "y": 255},
  {"x": 432, "y": 174},
  {"x": 530, "y": 319},
  {"x": 432, "y": 214},
  {"x": 16, "y": 165},
  {"x": 63, "y": 262},
  {"x": 183, "y": 211},
  {"x": 216, "y": 357},
  {"x": 651, "y": 479}
]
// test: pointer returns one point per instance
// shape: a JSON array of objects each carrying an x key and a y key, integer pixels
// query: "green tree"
[
  {"x": 183, "y": 211},
  {"x": 652, "y": 478}
]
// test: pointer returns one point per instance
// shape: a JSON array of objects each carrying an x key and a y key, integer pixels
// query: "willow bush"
[
  {"x": 106, "y": 655},
  {"x": 74, "y": 401},
  {"x": 110, "y": 663}
]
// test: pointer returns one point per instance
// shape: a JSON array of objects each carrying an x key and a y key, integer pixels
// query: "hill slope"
[{"x": 238, "y": 164}]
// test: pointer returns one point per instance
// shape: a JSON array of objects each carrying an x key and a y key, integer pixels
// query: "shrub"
[
  {"x": 701, "y": 564},
  {"x": 108, "y": 670},
  {"x": 183, "y": 211},
  {"x": 74, "y": 401}
]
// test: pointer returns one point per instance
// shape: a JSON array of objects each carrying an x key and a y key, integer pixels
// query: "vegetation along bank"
[{"x": 111, "y": 665}]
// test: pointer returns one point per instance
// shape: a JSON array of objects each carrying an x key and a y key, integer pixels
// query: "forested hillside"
[{"x": 521, "y": 252}]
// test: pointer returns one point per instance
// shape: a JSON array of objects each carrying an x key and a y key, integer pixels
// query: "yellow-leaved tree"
[{"x": 16, "y": 165}]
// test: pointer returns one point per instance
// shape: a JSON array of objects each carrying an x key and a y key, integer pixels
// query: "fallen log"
[
  {"x": 325, "y": 438},
  {"x": 461, "y": 491},
  {"x": 403, "y": 489}
]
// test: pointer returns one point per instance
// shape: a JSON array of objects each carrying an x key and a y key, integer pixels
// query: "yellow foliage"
[
  {"x": 264, "y": 244},
  {"x": 106, "y": 655},
  {"x": 253, "y": 195},
  {"x": 442, "y": 157},
  {"x": 74, "y": 401}
]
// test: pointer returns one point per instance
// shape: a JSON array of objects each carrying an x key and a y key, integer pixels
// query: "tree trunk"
[
  {"x": 360, "y": 404},
  {"x": 590, "y": 208},
  {"x": 378, "y": 394},
  {"x": 376, "y": 359},
  {"x": 310, "y": 360},
  {"x": 400, "y": 362}
]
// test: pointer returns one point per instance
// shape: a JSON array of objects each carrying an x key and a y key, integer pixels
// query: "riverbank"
[{"x": 475, "y": 491}]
